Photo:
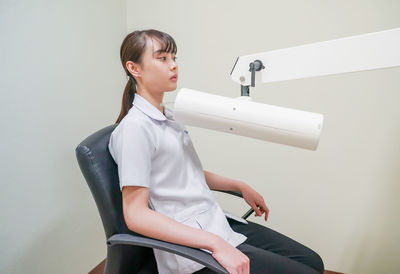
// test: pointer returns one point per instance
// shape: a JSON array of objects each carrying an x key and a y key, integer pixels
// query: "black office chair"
[{"x": 127, "y": 252}]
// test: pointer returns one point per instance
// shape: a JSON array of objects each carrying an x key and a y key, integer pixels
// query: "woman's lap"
[
  {"x": 264, "y": 261},
  {"x": 272, "y": 252}
]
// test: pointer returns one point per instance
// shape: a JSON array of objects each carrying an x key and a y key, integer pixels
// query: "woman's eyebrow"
[{"x": 159, "y": 51}]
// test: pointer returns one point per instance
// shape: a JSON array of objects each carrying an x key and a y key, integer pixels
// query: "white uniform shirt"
[{"x": 155, "y": 151}]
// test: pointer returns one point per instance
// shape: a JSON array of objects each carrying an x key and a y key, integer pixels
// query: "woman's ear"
[{"x": 133, "y": 68}]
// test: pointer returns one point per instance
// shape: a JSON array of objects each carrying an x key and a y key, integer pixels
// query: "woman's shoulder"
[
  {"x": 133, "y": 124},
  {"x": 132, "y": 131},
  {"x": 135, "y": 119}
]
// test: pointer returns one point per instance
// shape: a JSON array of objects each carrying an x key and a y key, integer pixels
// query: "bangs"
[{"x": 167, "y": 43}]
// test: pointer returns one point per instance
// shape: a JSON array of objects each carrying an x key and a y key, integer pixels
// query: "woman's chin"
[{"x": 171, "y": 88}]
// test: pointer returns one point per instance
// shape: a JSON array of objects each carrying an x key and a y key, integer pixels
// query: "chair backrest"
[{"x": 101, "y": 174}]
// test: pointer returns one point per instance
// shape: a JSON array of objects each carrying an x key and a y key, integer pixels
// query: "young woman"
[{"x": 166, "y": 194}]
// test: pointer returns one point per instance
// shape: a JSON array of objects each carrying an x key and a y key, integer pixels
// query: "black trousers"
[{"x": 271, "y": 252}]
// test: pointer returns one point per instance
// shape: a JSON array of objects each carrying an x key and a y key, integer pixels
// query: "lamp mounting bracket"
[{"x": 254, "y": 66}]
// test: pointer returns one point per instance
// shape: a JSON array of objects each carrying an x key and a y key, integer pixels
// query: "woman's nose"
[{"x": 174, "y": 65}]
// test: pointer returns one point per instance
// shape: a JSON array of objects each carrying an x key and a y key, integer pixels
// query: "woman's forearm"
[
  {"x": 158, "y": 226},
  {"x": 218, "y": 182}
]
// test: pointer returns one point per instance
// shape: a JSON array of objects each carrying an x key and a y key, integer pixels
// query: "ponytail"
[{"x": 127, "y": 98}]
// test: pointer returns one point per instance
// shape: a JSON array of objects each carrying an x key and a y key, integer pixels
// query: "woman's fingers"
[
  {"x": 261, "y": 208},
  {"x": 257, "y": 210},
  {"x": 264, "y": 208},
  {"x": 244, "y": 266},
  {"x": 266, "y": 214},
  {"x": 247, "y": 268}
]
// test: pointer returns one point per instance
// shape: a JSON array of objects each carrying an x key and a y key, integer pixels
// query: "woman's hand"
[
  {"x": 255, "y": 200},
  {"x": 231, "y": 258}
]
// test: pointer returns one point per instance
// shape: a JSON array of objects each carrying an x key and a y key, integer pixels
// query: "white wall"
[
  {"x": 340, "y": 200},
  {"x": 60, "y": 80}
]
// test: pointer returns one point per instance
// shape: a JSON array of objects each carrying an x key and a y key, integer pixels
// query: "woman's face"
[{"x": 158, "y": 69}]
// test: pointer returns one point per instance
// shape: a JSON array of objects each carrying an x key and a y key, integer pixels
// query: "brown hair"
[{"x": 132, "y": 49}]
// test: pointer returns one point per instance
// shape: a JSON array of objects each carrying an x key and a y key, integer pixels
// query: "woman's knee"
[{"x": 315, "y": 261}]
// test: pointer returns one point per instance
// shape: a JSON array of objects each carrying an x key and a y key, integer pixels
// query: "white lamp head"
[{"x": 247, "y": 118}]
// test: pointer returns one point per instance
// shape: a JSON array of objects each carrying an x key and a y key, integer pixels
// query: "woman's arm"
[
  {"x": 218, "y": 182},
  {"x": 143, "y": 220},
  {"x": 252, "y": 197}
]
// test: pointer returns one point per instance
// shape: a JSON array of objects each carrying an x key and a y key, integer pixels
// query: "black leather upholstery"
[{"x": 101, "y": 174}]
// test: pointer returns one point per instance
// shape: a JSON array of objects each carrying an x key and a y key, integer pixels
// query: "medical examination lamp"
[{"x": 281, "y": 125}]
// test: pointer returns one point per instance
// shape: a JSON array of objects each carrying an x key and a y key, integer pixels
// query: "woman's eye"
[
  {"x": 175, "y": 58},
  {"x": 164, "y": 58}
]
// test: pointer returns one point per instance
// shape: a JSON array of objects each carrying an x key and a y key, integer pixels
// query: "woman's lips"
[{"x": 174, "y": 78}]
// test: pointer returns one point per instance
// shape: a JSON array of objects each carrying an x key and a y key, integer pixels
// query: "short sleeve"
[{"x": 132, "y": 145}]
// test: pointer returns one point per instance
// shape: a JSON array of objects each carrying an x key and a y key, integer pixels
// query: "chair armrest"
[
  {"x": 194, "y": 254},
  {"x": 234, "y": 193},
  {"x": 237, "y": 194}
]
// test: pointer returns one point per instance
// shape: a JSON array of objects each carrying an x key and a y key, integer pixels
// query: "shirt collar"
[{"x": 147, "y": 108}]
